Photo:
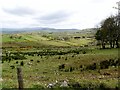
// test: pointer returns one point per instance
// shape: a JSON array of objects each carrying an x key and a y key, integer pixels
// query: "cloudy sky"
[{"x": 77, "y": 14}]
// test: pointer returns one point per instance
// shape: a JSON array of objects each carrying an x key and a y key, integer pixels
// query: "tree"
[
  {"x": 101, "y": 37},
  {"x": 108, "y": 32},
  {"x": 117, "y": 31}
]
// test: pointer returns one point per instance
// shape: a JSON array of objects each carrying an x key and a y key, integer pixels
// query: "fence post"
[{"x": 20, "y": 78}]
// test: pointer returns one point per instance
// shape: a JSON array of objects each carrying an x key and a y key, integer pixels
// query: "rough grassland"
[{"x": 41, "y": 70}]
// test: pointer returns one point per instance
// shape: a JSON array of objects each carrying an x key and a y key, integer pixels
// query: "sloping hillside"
[{"x": 48, "y": 39}]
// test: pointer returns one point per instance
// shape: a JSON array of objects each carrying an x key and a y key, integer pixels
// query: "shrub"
[
  {"x": 85, "y": 45},
  {"x": 18, "y": 56},
  {"x": 66, "y": 70},
  {"x": 104, "y": 64},
  {"x": 117, "y": 62},
  {"x": 66, "y": 58},
  {"x": 112, "y": 63},
  {"x": 81, "y": 66},
  {"x": 16, "y": 62},
  {"x": 84, "y": 52},
  {"x": 59, "y": 57},
  {"x": 92, "y": 67},
  {"x": 12, "y": 66},
  {"x": 75, "y": 85},
  {"x": 83, "y": 36},
  {"x": 9, "y": 60},
  {"x": 62, "y": 66},
  {"x": 38, "y": 61},
  {"x": 31, "y": 60},
  {"x": 71, "y": 69},
  {"x": 102, "y": 86},
  {"x": 72, "y": 55},
  {"x": 22, "y": 63}
]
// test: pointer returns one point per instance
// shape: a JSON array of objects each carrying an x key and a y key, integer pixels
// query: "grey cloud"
[
  {"x": 20, "y": 11},
  {"x": 53, "y": 18}
]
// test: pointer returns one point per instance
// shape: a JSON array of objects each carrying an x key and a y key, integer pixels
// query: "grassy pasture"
[
  {"x": 46, "y": 71},
  {"x": 45, "y": 39},
  {"x": 41, "y": 70}
]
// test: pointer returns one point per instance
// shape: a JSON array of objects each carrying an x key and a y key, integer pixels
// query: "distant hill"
[
  {"x": 89, "y": 30},
  {"x": 19, "y": 30}
]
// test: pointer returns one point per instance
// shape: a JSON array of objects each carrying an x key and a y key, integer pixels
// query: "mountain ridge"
[{"x": 18, "y": 30}]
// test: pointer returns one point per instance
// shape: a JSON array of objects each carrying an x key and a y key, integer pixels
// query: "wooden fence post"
[{"x": 20, "y": 78}]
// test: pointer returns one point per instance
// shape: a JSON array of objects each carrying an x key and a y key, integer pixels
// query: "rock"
[
  {"x": 64, "y": 84},
  {"x": 1, "y": 79},
  {"x": 50, "y": 85},
  {"x": 29, "y": 63}
]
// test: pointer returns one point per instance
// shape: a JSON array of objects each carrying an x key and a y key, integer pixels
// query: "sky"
[{"x": 77, "y": 14}]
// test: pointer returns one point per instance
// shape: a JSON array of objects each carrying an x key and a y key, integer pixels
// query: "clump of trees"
[
  {"x": 109, "y": 33},
  {"x": 15, "y": 37}
]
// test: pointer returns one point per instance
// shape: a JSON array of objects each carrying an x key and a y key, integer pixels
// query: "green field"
[
  {"x": 54, "y": 37},
  {"x": 49, "y": 57}
]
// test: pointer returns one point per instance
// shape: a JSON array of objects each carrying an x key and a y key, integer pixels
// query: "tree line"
[{"x": 109, "y": 33}]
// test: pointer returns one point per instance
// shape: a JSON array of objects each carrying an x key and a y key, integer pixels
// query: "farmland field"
[{"x": 52, "y": 58}]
